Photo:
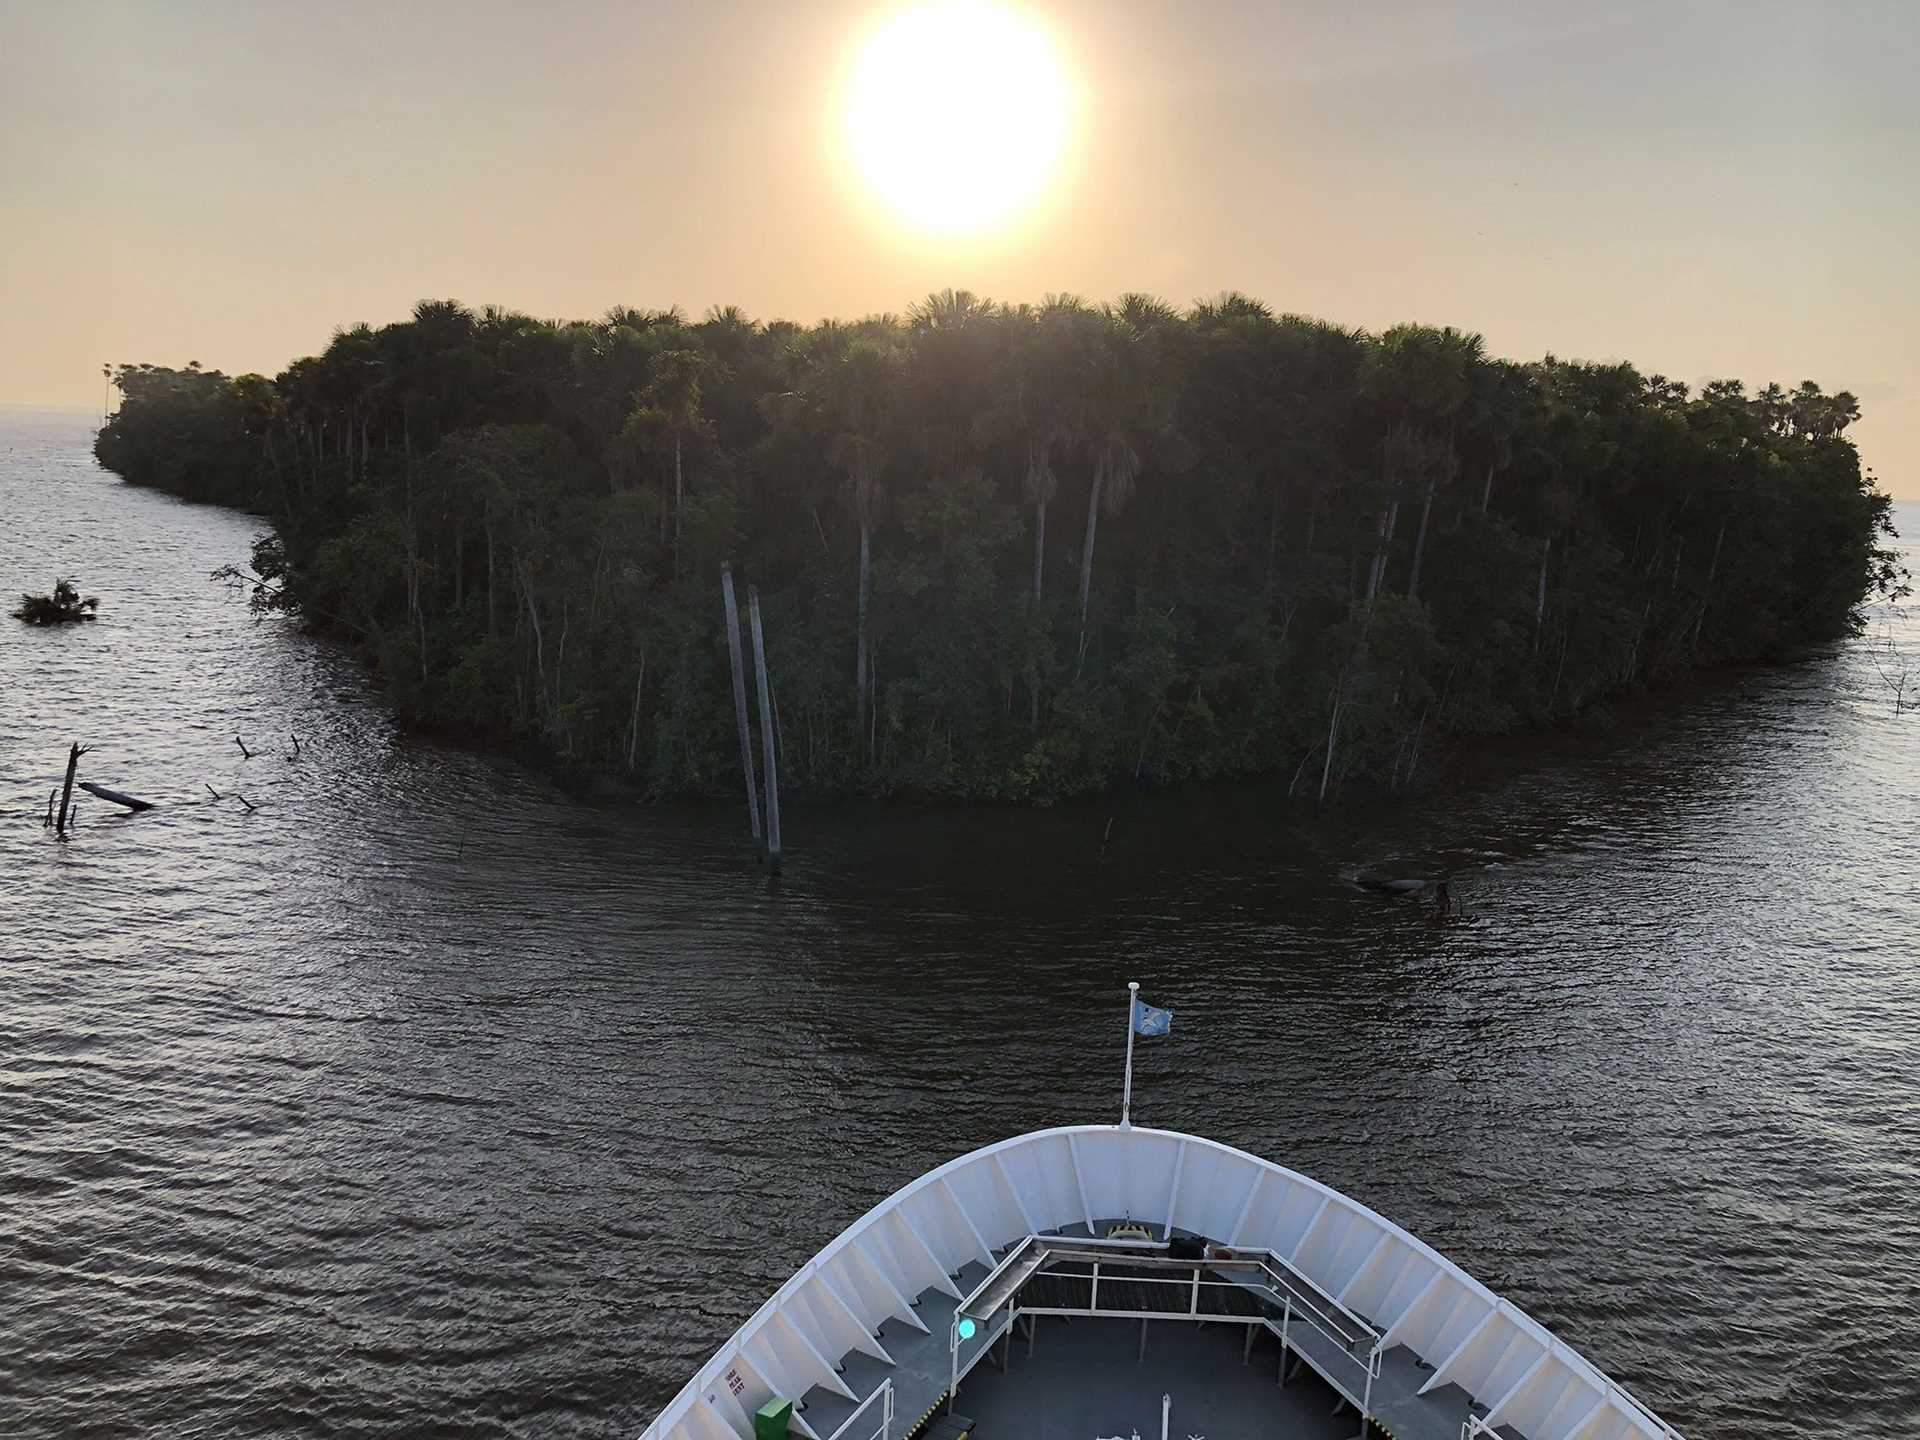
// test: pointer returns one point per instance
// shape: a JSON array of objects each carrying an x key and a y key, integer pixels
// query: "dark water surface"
[{"x": 426, "y": 1100}]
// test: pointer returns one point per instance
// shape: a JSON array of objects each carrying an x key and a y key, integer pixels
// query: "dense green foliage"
[
  {"x": 1015, "y": 551},
  {"x": 63, "y": 607}
]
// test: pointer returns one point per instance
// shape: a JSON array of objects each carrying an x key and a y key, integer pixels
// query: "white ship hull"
[{"x": 990, "y": 1244}]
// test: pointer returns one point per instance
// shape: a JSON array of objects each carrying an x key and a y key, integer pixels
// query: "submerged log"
[
  {"x": 116, "y": 797},
  {"x": 1391, "y": 887}
]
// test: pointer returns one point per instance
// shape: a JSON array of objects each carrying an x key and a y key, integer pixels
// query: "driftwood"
[
  {"x": 116, "y": 797},
  {"x": 245, "y": 753},
  {"x": 213, "y": 792}
]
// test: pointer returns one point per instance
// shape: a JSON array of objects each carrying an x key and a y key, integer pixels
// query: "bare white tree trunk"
[
  {"x": 1086, "y": 550},
  {"x": 739, "y": 699},
  {"x": 1420, "y": 543},
  {"x": 1333, "y": 730},
  {"x": 633, "y": 732},
  {"x": 1540, "y": 600},
  {"x": 860, "y": 661},
  {"x": 1377, "y": 573},
  {"x": 1039, "y": 545}
]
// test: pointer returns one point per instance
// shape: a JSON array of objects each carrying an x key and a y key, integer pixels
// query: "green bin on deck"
[{"x": 770, "y": 1420}]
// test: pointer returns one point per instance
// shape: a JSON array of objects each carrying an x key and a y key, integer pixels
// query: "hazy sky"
[{"x": 1707, "y": 189}]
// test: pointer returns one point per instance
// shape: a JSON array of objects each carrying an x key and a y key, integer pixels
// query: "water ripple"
[{"x": 428, "y": 1100}]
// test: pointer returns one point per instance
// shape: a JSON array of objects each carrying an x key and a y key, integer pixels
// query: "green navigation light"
[{"x": 966, "y": 1329}]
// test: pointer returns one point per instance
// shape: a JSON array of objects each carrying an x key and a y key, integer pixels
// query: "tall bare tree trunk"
[
  {"x": 770, "y": 766},
  {"x": 1420, "y": 543},
  {"x": 633, "y": 733},
  {"x": 539, "y": 639},
  {"x": 1039, "y": 561},
  {"x": 1273, "y": 542},
  {"x": 1540, "y": 600},
  {"x": 860, "y": 660},
  {"x": 1039, "y": 545},
  {"x": 739, "y": 700},
  {"x": 1333, "y": 730},
  {"x": 492, "y": 623},
  {"x": 1086, "y": 550},
  {"x": 1706, "y": 598},
  {"x": 1383, "y": 538}
]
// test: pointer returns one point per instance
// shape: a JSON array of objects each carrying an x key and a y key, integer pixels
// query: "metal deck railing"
[
  {"x": 1260, "y": 1289},
  {"x": 883, "y": 1431}
]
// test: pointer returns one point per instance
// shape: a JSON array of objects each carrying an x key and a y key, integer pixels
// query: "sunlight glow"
[{"x": 957, "y": 114}]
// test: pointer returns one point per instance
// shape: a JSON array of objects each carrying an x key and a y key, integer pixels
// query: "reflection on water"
[{"x": 425, "y": 1099}]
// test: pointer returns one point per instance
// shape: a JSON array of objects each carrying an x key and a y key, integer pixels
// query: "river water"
[{"x": 426, "y": 1099}]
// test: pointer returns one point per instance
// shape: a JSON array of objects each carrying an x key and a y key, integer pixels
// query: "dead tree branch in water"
[
  {"x": 1897, "y": 674},
  {"x": 66, "y": 792},
  {"x": 213, "y": 792},
  {"x": 245, "y": 753},
  {"x": 101, "y": 791},
  {"x": 296, "y": 746},
  {"x": 251, "y": 807}
]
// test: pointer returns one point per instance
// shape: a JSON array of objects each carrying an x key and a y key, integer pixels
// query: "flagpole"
[{"x": 1126, "y": 1093}]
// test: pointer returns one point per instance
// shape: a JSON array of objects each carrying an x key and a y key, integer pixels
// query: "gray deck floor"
[{"x": 1085, "y": 1381}]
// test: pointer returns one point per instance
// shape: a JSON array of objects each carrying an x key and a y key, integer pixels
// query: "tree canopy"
[{"x": 1016, "y": 551}]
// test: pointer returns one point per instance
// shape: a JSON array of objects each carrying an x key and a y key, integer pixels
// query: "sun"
[{"x": 957, "y": 114}]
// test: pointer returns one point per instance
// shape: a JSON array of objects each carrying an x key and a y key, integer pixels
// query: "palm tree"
[
  {"x": 1421, "y": 378},
  {"x": 1128, "y": 402},
  {"x": 674, "y": 393},
  {"x": 846, "y": 386},
  {"x": 858, "y": 393},
  {"x": 1038, "y": 402}
]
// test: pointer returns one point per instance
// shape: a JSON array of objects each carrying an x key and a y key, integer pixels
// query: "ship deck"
[
  {"x": 1087, "y": 1379},
  {"x": 1054, "y": 1286},
  {"x": 1087, "y": 1376}
]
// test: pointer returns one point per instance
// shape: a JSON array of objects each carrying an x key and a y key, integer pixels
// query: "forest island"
[{"x": 1015, "y": 551}]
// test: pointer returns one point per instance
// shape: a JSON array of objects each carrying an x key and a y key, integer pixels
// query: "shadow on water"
[{"x": 428, "y": 1100}]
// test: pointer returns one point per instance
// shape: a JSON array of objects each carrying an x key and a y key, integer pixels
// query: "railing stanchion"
[
  {"x": 885, "y": 1396},
  {"x": 1286, "y": 1321}
]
